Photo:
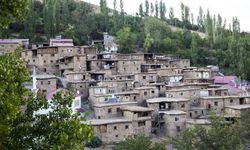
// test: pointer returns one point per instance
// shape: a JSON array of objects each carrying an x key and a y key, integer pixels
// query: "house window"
[
  {"x": 52, "y": 55},
  {"x": 116, "y": 135},
  {"x": 99, "y": 117},
  {"x": 118, "y": 109},
  {"x": 48, "y": 82},
  {"x": 215, "y": 103},
  {"x": 134, "y": 97},
  {"x": 41, "y": 82},
  {"x": 176, "y": 118},
  {"x": 145, "y": 93},
  {"x": 195, "y": 112},
  {"x": 126, "y": 126},
  {"x": 231, "y": 101},
  {"x": 44, "y": 61},
  {"x": 181, "y": 93},
  {"x": 153, "y": 92},
  {"x": 182, "y": 105},
  {"x": 144, "y": 77},
  {"x": 77, "y": 103},
  {"x": 141, "y": 123},
  {"x": 34, "y": 60},
  {"x": 42, "y": 55},
  {"x": 115, "y": 128},
  {"x": 51, "y": 61},
  {"x": 110, "y": 110},
  {"x": 178, "y": 128}
]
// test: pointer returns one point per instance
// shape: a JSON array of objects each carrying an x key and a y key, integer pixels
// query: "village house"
[
  {"x": 46, "y": 82},
  {"x": 175, "y": 122},
  {"x": 166, "y": 104},
  {"x": 10, "y": 45},
  {"x": 237, "y": 111},
  {"x": 110, "y": 109}
]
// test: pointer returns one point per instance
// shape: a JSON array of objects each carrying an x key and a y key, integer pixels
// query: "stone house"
[
  {"x": 190, "y": 93},
  {"x": 166, "y": 104},
  {"x": 112, "y": 130},
  {"x": 237, "y": 110},
  {"x": 141, "y": 119},
  {"x": 10, "y": 45},
  {"x": 141, "y": 79},
  {"x": 180, "y": 63},
  {"x": 110, "y": 110},
  {"x": 175, "y": 122},
  {"x": 146, "y": 92},
  {"x": 46, "y": 82}
]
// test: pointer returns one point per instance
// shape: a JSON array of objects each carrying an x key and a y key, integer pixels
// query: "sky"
[{"x": 226, "y": 8}]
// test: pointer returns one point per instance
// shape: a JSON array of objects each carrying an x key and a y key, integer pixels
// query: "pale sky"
[{"x": 226, "y": 8}]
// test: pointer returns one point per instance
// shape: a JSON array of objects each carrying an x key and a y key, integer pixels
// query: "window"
[
  {"x": 126, "y": 126},
  {"x": 231, "y": 101},
  {"x": 116, "y": 136},
  {"x": 145, "y": 93},
  {"x": 182, "y": 105},
  {"x": 99, "y": 117},
  {"x": 141, "y": 123},
  {"x": 51, "y": 61},
  {"x": 77, "y": 103},
  {"x": 134, "y": 97},
  {"x": 137, "y": 68},
  {"x": 181, "y": 93},
  {"x": 42, "y": 55},
  {"x": 144, "y": 77},
  {"x": 52, "y": 55},
  {"x": 143, "y": 114},
  {"x": 44, "y": 61},
  {"x": 215, "y": 103},
  {"x": 48, "y": 82},
  {"x": 41, "y": 82},
  {"x": 176, "y": 118},
  {"x": 153, "y": 92},
  {"x": 110, "y": 110},
  {"x": 195, "y": 112},
  {"x": 118, "y": 109},
  {"x": 124, "y": 69},
  {"x": 178, "y": 128},
  {"x": 123, "y": 62},
  {"x": 115, "y": 128},
  {"x": 34, "y": 60}
]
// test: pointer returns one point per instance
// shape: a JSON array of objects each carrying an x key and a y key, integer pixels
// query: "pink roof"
[
  {"x": 51, "y": 93},
  {"x": 233, "y": 89},
  {"x": 223, "y": 79}
]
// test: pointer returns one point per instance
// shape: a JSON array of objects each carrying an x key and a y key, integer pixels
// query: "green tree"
[
  {"x": 221, "y": 135},
  {"x": 182, "y": 12},
  {"x": 148, "y": 42},
  {"x": 156, "y": 9},
  {"x": 13, "y": 73},
  {"x": 141, "y": 10},
  {"x": 11, "y": 11},
  {"x": 21, "y": 127},
  {"x": 152, "y": 9},
  {"x": 171, "y": 15},
  {"x": 146, "y": 8},
  {"x": 126, "y": 40},
  {"x": 139, "y": 142}
]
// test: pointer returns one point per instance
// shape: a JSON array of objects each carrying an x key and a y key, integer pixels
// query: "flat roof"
[
  {"x": 120, "y": 93},
  {"x": 166, "y": 99},
  {"x": 44, "y": 76},
  {"x": 145, "y": 87},
  {"x": 114, "y": 104},
  {"x": 245, "y": 106},
  {"x": 182, "y": 89},
  {"x": 199, "y": 121},
  {"x": 219, "y": 97},
  {"x": 108, "y": 121},
  {"x": 136, "y": 108},
  {"x": 173, "y": 112}
]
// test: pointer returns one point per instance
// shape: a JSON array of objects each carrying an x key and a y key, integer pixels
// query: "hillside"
[{"x": 156, "y": 32}]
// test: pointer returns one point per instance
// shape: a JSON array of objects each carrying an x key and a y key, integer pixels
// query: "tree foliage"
[
  {"x": 221, "y": 135},
  {"x": 140, "y": 142},
  {"x": 126, "y": 40},
  {"x": 21, "y": 127}
]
